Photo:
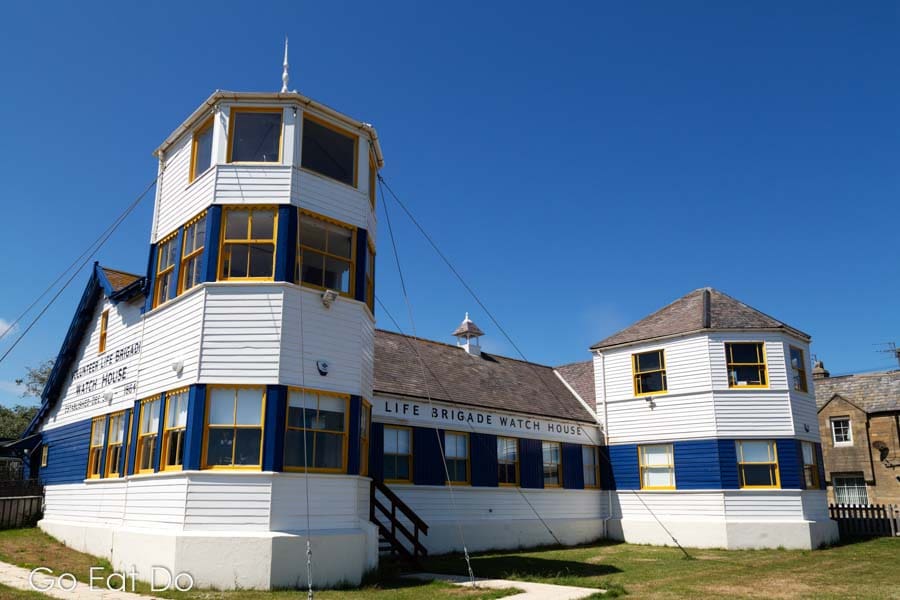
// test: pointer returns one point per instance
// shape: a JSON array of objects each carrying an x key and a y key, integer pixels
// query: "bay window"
[
  {"x": 166, "y": 256},
  {"x": 810, "y": 466},
  {"x": 192, "y": 253},
  {"x": 798, "y": 370},
  {"x": 325, "y": 254},
  {"x": 201, "y": 149},
  {"x": 649, "y": 369},
  {"x": 657, "y": 467},
  {"x": 746, "y": 364},
  {"x": 248, "y": 243},
  {"x": 174, "y": 429},
  {"x": 329, "y": 151},
  {"x": 758, "y": 464},
  {"x": 254, "y": 135},
  {"x": 316, "y": 434},
  {"x": 234, "y": 427}
]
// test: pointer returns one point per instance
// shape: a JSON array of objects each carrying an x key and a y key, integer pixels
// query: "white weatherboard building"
[{"x": 211, "y": 415}]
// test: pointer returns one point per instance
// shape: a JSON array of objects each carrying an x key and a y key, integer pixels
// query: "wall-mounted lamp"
[
  {"x": 650, "y": 402},
  {"x": 108, "y": 396},
  {"x": 178, "y": 366},
  {"x": 328, "y": 298}
]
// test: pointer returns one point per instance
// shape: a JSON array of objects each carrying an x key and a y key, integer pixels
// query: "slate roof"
[
  {"x": 702, "y": 309},
  {"x": 487, "y": 381},
  {"x": 119, "y": 280},
  {"x": 872, "y": 392},
  {"x": 580, "y": 376}
]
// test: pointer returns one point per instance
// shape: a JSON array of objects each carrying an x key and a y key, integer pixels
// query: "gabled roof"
[
  {"x": 580, "y": 376},
  {"x": 115, "y": 285},
  {"x": 454, "y": 375},
  {"x": 870, "y": 392},
  {"x": 702, "y": 309}
]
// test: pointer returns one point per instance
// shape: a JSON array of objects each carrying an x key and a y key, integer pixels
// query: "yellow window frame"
[
  {"x": 255, "y": 109},
  {"x": 365, "y": 435},
  {"x": 370, "y": 276},
  {"x": 45, "y": 453},
  {"x": 223, "y": 241},
  {"x": 468, "y": 479},
  {"x": 761, "y": 365},
  {"x": 670, "y": 465},
  {"x": 187, "y": 258},
  {"x": 559, "y": 465},
  {"x": 515, "y": 442},
  {"x": 343, "y": 434},
  {"x": 813, "y": 467},
  {"x": 301, "y": 248},
  {"x": 116, "y": 419},
  {"x": 165, "y": 271},
  {"x": 800, "y": 369},
  {"x": 104, "y": 326},
  {"x": 409, "y": 457},
  {"x": 373, "y": 179},
  {"x": 207, "y": 124},
  {"x": 262, "y": 429},
  {"x": 596, "y": 452},
  {"x": 636, "y": 373},
  {"x": 95, "y": 451},
  {"x": 776, "y": 476},
  {"x": 170, "y": 431},
  {"x": 345, "y": 133},
  {"x": 153, "y": 436}
]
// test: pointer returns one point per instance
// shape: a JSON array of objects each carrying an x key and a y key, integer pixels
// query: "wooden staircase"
[{"x": 388, "y": 512}]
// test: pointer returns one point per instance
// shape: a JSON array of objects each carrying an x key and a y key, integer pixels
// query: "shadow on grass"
[{"x": 511, "y": 566}]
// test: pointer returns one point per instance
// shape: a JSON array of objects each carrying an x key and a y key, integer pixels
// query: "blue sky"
[{"x": 582, "y": 165}]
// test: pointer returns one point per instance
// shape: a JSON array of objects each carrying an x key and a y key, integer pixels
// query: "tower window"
[
  {"x": 657, "y": 466},
  {"x": 325, "y": 254},
  {"x": 798, "y": 369},
  {"x": 255, "y": 135},
  {"x": 201, "y": 155},
  {"x": 810, "y": 466},
  {"x": 746, "y": 364},
  {"x": 248, "y": 243},
  {"x": 167, "y": 254},
  {"x": 370, "y": 278},
  {"x": 192, "y": 252},
  {"x": 317, "y": 420},
  {"x": 329, "y": 151},
  {"x": 234, "y": 427},
  {"x": 649, "y": 372},
  {"x": 174, "y": 429},
  {"x": 758, "y": 464}
]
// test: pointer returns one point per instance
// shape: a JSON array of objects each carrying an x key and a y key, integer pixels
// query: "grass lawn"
[
  {"x": 865, "y": 569},
  {"x": 8, "y": 593}
]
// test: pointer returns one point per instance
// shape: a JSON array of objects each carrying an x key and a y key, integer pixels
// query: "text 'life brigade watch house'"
[{"x": 186, "y": 404}]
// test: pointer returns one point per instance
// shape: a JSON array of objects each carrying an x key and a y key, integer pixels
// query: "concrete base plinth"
[{"x": 733, "y": 535}]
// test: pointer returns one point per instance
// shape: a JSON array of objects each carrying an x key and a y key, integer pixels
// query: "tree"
[
  {"x": 13, "y": 421},
  {"x": 35, "y": 379}
]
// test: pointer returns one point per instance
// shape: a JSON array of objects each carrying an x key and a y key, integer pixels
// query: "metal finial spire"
[{"x": 284, "y": 74}]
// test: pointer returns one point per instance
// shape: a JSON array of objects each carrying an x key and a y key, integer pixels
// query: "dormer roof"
[{"x": 704, "y": 309}]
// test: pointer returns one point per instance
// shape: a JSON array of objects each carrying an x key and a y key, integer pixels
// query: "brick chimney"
[{"x": 819, "y": 371}]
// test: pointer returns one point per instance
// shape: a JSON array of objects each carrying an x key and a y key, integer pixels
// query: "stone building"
[{"x": 859, "y": 416}]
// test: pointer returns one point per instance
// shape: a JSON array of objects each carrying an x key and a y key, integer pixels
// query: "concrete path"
[
  {"x": 17, "y": 577},
  {"x": 530, "y": 591}
]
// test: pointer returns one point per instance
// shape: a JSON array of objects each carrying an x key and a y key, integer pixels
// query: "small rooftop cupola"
[{"x": 467, "y": 335}]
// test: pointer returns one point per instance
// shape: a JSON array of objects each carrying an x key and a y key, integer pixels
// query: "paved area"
[
  {"x": 530, "y": 591},
  {"x": 17, "y": 577}
]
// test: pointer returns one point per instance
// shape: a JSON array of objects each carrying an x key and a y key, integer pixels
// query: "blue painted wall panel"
[
  {"x": 151, "y": 277},
  {"x": 210, "y": 260},
  {"x": 572, "y": 466},
  {"x": 353, "y": 441},
  {"x": 697, "y": 465},
  {"x": 193, "y": 433},
  {"x": 531, "y": 463},
  {"x": 132, "y": 446},
  {"x": 123, "y": 458},
  {"x": 157, "y": 449},
  {"x": 286, "y": 251},
  {"x": 607, "y": 480},
  {"x": 728, "y": 471},
  {"x": 625, "y": 469},
  {"x": 361, "y": 258},
  {"x": 428, "y": 467},
  {"x": 105, "y": 442},
  {"x": 788, "y": 464},
  {"x": 483, "y": 448},
  {"x": 68, "y": 453},
  {"x": 821, "y": 462},
  {"x": 376, "y": 452},
  {"x": 273, "y": 444}
]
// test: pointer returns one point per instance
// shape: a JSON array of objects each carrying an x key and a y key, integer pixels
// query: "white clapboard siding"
[
  {"x": 335, "y": 502},
  {"x": 253, "y": 184},
  {"x": 687, "y": 367},
  {"x": 324, "y": 196},
  {"x": 228, "y": 502},
  {"x": 171, "y": 333},
  {"x": 434, "y": 504},
  {"x": 667, "y": 505},
  {"x": 156, "y": 502},
  {"x": 815, "y": 505},
  {"x": 95, "y": 502},
  {"x": 775, "y": 357},
  {"x": 337, "y": 335},
  {"x": 750, "y": 505},
  {"x": 671, "y": 417},
  {"x": 241, "y": 334},
  {"x": 188, "y": 202},
  {"x": 753, "y": 412},
  {"x": 171, "y": 187},
  {"x": 806, "y": 419}
]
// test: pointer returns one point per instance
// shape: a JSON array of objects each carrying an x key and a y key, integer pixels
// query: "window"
[
  {"x": 746, "y": 364},
  {"x": 810, "y": 466},
  {"x": 657, "y": 466},
  {"x": 758, "y": 464},
  {"x": 115, "y": 444},
  {"x": 850, "y": 488},
  {"x": 148, "y": 430},
  {"x": 590, "y": 465},
  {"x": 365, "y": 425},
  {"x": 373, "y": 179},
  {"x": 552, "y": 461},
  {"x": 234, "y": 427},
  {"x": 248, "y": 243},
  {"x": 45, "y": 452},
  {"x": 320, "y": 419},
  {"x": 798, "y": 369},
  {"x": 325, "y": 254},
  {"x": 329, "y": 151},
  {"x": 370, "y": 277},
  {"x": 201, "y": 154},
  {"x": 254, "y": 135},
  {"x": 649, "y": 372},
  {"x": 192, "y": 253},
  {"x": 507, "y": 461},
  {"x": 397, "y": 454},
  {"x": 167, "y": 254},
  {"x": 104, "y": 325},
  {"x": 456, "y": 452},
  {"x": 841, "y": 433},
  {"x": 173, "y": 430},
  {"x": 98, "y": 437}
]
